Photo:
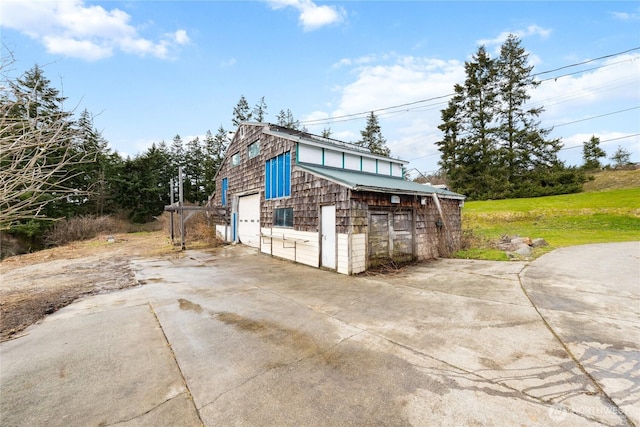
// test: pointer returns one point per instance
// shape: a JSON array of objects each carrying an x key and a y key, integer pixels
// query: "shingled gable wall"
[{"x": 309, "y": 193}]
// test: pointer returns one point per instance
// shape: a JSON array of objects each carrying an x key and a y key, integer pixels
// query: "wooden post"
[{"x": 172, "y": 197}]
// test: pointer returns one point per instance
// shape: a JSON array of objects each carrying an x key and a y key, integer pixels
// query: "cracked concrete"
[{"x": 231, "y": 337}]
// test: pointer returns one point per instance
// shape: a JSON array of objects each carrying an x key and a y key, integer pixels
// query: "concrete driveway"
[{"x": 232, "y": 337}]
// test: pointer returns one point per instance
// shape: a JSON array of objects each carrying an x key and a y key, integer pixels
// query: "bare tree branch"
[{"x": 37, "y": 157}]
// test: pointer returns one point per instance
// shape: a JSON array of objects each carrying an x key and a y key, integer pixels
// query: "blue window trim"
[
  {"x": 277, "y": 177},
  {"x": 225, "y": 188}
]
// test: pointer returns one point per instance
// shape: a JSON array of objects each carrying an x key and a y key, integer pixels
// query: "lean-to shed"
[{"x": 327, "y": 203}]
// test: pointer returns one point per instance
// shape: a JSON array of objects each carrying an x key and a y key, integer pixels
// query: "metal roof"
[{"x": 361, "y": 181}]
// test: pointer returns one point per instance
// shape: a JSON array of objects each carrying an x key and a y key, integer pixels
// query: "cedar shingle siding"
[{"x": 370, "y": 229}]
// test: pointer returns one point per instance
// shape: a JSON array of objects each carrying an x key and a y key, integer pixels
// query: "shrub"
[{"x": 82, "y": 228}]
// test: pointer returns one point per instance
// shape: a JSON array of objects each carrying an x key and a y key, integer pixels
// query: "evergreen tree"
[
  {"x": 468, "y": 151},
  {"x": 621, "y": 157},
  {"x": 592, "y": 153},
  {"x": 286, "y": 119},
  {"x": 372, "y": 137},
  {"x": 492, "y": 147},
  {"x": 38, "y": 156},
  {"x": 90, "y": 176},
  {"x": 326, "y": 133},
  {"x": 214, "y": 151},
  {"x": 142, "y": 189},
  {"x": 241, "y": 112},
  {"x": 177, "y": 153},
  {"x": 524, "y": 144},
  {"x": 194, "y": 171},
  {"x": 45, "y": 103},
  {"x": 260, "y": 111}
]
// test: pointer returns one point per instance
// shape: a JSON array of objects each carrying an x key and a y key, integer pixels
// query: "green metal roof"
[{"x": 361, "y": 181}]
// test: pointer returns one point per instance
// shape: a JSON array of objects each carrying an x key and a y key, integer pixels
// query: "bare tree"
[{"x": 37, "y": 155}]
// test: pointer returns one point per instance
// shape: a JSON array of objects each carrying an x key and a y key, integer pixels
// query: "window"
[
  {"x": 277, "y": 177},
  {"x": 283, "y": 217},
  {"x": 225, "y": 188},
  {"x": 235, "y": 159},
  {"x": 254, "y": 149}
]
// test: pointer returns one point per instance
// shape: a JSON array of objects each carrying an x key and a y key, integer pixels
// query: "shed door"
[
  {"x": 249, "y": 220},
  {"x": 328, "y": 236},
  {"x": 379, "y": 236},
  {"x": 390, "y": 236}
]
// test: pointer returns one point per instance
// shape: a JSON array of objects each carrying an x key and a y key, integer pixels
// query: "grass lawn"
[{"x": 573, "y": 219}]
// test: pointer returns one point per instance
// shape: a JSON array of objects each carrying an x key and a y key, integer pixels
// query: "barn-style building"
[{"x": 327, "y": 203}]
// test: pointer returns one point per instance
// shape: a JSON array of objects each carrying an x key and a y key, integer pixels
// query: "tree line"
[{"x": 53, "y": 165}]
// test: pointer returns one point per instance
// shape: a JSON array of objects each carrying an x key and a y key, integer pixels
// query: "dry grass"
[
  {"x": 199, "y": 230},
  {"x": 613, "y": 179}
]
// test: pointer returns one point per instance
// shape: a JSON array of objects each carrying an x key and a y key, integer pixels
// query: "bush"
[
  {"x": 198, "y": 229},
  {"x": 83, "y": 228}
]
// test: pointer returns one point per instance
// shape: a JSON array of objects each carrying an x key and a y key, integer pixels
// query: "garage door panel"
[{"x": 249, "y": 220}]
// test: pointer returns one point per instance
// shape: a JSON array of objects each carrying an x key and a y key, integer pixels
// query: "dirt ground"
[{"x": 37, "y": 284}]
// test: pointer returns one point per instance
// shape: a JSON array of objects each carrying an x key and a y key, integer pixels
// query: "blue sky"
[{"x": 149, "y": 70}]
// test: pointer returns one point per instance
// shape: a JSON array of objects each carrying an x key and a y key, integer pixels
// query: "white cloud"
[
  {"x": 181, "y": 37},
  {"x": 626, "y": 16},
  {"x": 361, "y": 60},
  {"x": 71, "y": 28},
  {"x": 616, "y": 79},
  {"x": 382, "y": 81},
  {"x": 228, "y": 63},
  {"x": 311, "y": 16},
  {"x": 531, "y": 30},
  {"x": 386, "y": 80}
]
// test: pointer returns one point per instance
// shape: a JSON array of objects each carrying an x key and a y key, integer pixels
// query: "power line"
[
  {"x": 336, "y": 118},
  {"x": 361, "y": 115},
  {"x": 606, "y": 140},
  {"x": 595, "y": 117},
  {"x": 586, "y": 62}
]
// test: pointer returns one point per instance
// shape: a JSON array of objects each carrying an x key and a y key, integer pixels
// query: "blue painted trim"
[
  {"x": 225, "y": 188},
  {"x": 234, "y": 226}
]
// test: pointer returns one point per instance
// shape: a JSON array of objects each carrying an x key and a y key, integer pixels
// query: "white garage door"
[{"x": 249, "y": 220}]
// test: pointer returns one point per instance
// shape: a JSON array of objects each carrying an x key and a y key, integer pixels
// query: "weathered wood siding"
[
  {"x": 411, "y": 224},
  {"x": 427, "y": 239}
]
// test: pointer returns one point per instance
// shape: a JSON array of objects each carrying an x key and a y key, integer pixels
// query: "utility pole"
[{"x": 180, "y": 205}]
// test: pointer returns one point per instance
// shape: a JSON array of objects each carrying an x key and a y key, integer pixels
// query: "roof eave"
[{"x": 408, "y": 192}]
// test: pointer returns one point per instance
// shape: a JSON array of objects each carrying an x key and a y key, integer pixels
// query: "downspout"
[{"x": 439, "y": 207}]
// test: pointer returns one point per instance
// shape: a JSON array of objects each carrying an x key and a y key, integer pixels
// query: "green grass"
[{"x": 567, "y": 220}]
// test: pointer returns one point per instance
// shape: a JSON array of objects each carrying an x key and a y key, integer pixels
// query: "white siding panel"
[
  {"x": 223, "y": 231},
  {"x": 333, "y": 158},
  {"x": 309, "y": 154},
  {"x": 343, "y": 253},
  {"x": 298, "y": 246},
  {"x": 351, "y": 162},
  {"x": 384, "y": 168},
  {"x": 396, "y": 169},
  {"x": 358, "y": 253},
  {"x": 368, "y": 165}
]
